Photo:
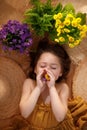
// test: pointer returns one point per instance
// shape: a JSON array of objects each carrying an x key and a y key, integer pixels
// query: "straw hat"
[
  {"x": 11, "y": 81},
  {"x": 79, "y": 84},
  {"x": 78, "y": 53}
]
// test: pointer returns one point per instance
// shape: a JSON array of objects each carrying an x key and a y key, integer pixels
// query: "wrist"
[
  {"x": 38, "y": 88},
  {"x": 51, "y": 88}
]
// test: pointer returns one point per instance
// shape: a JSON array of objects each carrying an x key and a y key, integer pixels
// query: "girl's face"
[{"x": 49, "y": 62}]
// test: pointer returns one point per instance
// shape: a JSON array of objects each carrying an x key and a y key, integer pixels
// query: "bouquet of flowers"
[
  {"x": 15, "y": 36},
  {"x": 69, "y": 29},
  {"x": 63, "y": 24}
]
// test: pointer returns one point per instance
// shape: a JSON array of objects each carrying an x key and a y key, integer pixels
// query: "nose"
[{"x": 48, "y": 68}]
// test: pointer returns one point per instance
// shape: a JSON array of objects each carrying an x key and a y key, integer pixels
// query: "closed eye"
[
  {"x": 42, "y": 66},
  {"x": 53, "y": 68}
]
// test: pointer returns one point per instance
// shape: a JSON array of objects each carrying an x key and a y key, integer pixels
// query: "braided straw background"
[
  {"x": 11, "y": 81},
  {"x": 22, "y": 59},
  {"x": 80, "y": 80},
  {"x": 78, "y": 53}
]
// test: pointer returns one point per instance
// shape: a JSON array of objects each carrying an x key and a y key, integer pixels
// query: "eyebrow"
[
  {"x": 54, "y": 64},
  {"x": 51, "y": 63}
]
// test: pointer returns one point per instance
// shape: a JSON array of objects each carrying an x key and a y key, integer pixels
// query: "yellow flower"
[
  {"x": 77, "y": 42},
  {"x": 56, "y": 40},
  {"x": 84, "y": 28},
  {"x": 56, "y": 25},
  {"x": 47, "y": 77},
  {"x": 71, "y": 39},
  {"x": 74, "y": 23},
  {"x": 58, "y": 30},
  {"x": 58, "y": 33},
  {"x": 58, "y": 22},
  {"x": 67, "y": 22},
  {"x": 79, "y": 27},
  {"x": 78, "y": 20},
  {"x": 59, "y": 15},
  {"x": 55, "y": 16},
  {"x": 71, "y": 45},
  {"x": 70, "y": 16},
  {"x": 82, "y": 34},
  {"x": 66, "y": 30},
  {"x": 61, "y": 39},
  {"x": 61, "y": 25}
]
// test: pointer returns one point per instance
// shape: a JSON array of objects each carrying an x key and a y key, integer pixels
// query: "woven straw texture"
[
  {"x": 11, "y": 81},
  {"x": 22, "y": 59},
  {"x": 79, "y": 85},
  {"x": 78, "y": 53}
]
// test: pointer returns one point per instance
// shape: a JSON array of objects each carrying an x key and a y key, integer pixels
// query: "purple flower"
[{"x": 15, "y": 36}]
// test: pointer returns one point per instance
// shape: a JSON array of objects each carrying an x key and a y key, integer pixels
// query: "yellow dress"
[{"x": 42, "y": 118}]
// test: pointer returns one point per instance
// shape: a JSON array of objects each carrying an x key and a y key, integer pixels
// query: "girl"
[{"x": 44, "y": 100}]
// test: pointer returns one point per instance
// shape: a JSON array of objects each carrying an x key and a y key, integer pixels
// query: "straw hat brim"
[
  {"x": 78, "y": 53},
  {"x": 11, "y": 82},
  {"x": 79, "y": 84}
]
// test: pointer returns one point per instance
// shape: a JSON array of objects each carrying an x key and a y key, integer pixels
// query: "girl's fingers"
[
  {"x": 39, "y": 75},
  {"x": 51, "y": 75}
]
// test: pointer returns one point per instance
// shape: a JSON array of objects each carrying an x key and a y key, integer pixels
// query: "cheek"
[{"x": 58, "y": 74}]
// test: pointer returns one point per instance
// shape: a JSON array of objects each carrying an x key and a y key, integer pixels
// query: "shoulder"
[
  {"x": 63, "y": 92},
  {"x": 62, "y": 85},
  {"x": 28, "y": 84},
  {"x": 28, "y": 81},
  {"x": 63, "y": 88}
]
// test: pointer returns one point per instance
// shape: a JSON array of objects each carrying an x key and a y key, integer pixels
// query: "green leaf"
[
  {"x": 35, "y": 2},
  {"x": 68, "y": 8},
  {"x": 57, "y": 9},
  {"x": 32, "y": 14},
  {"x": 82, "y": 16}
]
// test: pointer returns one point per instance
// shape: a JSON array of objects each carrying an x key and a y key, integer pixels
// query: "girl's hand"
[
  {"x": 51, "y": 82},
  {"x": 40, "y": 82}
]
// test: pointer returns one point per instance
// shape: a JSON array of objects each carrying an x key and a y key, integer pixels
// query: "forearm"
[
  {"x": 58, "y": 108},
  {"x": 27, "y": 106}
]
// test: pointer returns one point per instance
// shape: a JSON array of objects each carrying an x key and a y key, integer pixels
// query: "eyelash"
[
  {"x": 53, "y": 68},
  {"x": 44, "y": 67}
]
